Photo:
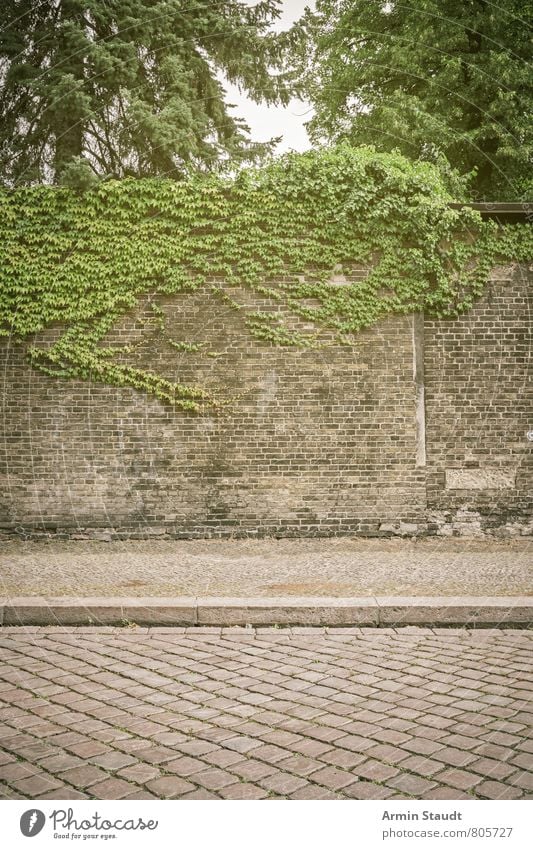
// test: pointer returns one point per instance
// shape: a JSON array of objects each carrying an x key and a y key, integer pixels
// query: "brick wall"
[
  {"x": 479, "y": 411},
  {"x": 315, "y": 442}
]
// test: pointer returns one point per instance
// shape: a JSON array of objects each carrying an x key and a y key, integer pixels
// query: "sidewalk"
[{"x": 290, "y": 581}]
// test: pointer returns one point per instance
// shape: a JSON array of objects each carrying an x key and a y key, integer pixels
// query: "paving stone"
[
  {"x": 89, "y": 749},
  {"x": 223, "y": 758},
  {"x": 15, "y": 771},
  {"x": 155, "y": 755},
  {"x": 412, "y": 784},
  {"x": 64, "y": 793},
  {"x": 524, "y": 760},
  {"x": 139, "y": 773},
  {"x": 140, "y": 794},
  {"x": 367, "y": 790},
  {"x": 282, "y": 783},
  {"x": 312, "y": 791},
  {"x": 242, "y": 744},
  {"x": 347, "y": 713},
  {"x": 375, "y": 771},
  {"x": 214, "y": 779},
  {"x": 36, "y": 785},
  {"x": 83, "y": 776},
  {"x": 497, "y": 790},
  {"x": 243, "y": 791},
  {"x": 200, "y": 794},
  {"x": 422, "y": 766},
  {"x": 184, "y": 766},
  {"x": 459, "y": 778},
  {"x": 252, "y": 770},
  {"x": 169, "y": 787},
  {"x": 492, "y": 769},
  {"x": 342, "y": 758},
  {"x": 421, "y": 746},
  {"x": 522, "y": 779},
  {"x": 113, "y": 760},
  {"x": 272, "y": 754},
  {"x": 446, "y": 793},
  {"x": 334, "y": 779}
]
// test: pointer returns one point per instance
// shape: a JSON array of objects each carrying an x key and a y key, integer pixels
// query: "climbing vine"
[{"x": 74, "y": 263}]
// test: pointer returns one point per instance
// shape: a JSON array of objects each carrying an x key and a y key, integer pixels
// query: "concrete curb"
[{"x": 375, "y": 611}]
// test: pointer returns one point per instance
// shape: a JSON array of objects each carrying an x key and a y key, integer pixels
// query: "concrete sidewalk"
[
  {"x": 337, "y": 567},
  {"x": 268, "y": 582}
]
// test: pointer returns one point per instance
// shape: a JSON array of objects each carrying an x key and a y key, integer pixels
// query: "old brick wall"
[
  {"x": 314, "y": 442},
  {"x": 479, "y": 411}
]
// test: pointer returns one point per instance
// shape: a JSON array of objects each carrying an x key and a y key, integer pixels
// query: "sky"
[{"x": 266, "y": 122}]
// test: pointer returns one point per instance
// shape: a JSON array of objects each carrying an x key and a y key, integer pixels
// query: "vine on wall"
[{"x": 79, "y": 262}]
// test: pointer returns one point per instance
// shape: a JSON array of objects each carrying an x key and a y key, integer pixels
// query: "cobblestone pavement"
[{"x": 301, "y": 713}]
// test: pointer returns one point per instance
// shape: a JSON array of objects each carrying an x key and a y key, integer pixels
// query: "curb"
[{"x": 374, "y": 611}]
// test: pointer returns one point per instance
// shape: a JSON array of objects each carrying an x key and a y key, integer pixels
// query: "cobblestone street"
[{"x": 235, "y": 713}]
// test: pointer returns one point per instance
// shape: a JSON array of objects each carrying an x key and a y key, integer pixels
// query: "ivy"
[{"x": 74, "y": 263}]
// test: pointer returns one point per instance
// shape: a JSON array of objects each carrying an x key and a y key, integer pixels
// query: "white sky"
[{"x": 266, "y": 122}]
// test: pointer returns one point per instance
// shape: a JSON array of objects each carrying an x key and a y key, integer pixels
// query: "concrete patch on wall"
[{"x": 480, "y": 478}]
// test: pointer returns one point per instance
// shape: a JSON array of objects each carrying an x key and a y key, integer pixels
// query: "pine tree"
[{"x": 90, "y": 88}]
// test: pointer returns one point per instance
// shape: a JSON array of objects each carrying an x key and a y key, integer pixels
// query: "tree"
[
  {"x": 432, "y": 78},
  {"x": 91, "y": 88}
]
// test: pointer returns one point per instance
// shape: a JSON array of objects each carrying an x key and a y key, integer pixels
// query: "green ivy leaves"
[{"x": 78, "y": 262}]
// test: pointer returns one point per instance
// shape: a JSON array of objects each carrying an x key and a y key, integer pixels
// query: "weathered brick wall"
[
  {"x": 479, "y": 411},
  {"x": 315, "y": 442}
]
